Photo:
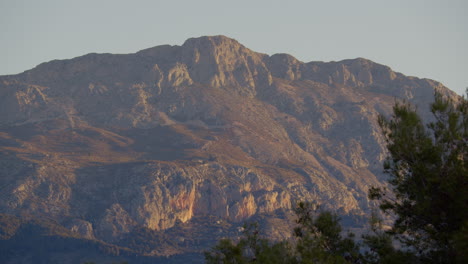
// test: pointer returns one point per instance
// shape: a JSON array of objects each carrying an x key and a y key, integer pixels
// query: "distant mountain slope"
[{"x": 198, "y": 137}]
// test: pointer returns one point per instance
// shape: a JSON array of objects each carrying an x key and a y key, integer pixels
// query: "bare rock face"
[
  {"x": 157, "y": 195},
  {"x": 172, "y": 135},
  {"x": 115, "y": 222},
  {"x": 223, "y": 62},
  {"x": 82, "y": 227}
]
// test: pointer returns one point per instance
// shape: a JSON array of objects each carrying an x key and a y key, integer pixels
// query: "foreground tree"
[
  {"x": 428, "y": 171},
  {"x": 379, "y": 247},
  {"x": 318, "y": 240},
  {"x": 250, "y": 248}
]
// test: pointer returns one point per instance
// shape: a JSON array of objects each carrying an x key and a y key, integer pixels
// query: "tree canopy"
[
  {"x": 428, "y": 174},
  {"x": 317, "y": 240}
]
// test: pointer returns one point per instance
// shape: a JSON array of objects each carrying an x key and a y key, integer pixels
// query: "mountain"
[{"x": 164, "y": 151}]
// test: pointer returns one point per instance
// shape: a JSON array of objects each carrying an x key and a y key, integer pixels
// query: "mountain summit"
[{"x": 164, "y": 151}]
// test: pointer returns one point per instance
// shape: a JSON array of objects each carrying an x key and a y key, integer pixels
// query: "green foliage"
[
  {"x": 318, "y": 240},
  {"x": 428, "y": 172},
  {"x": 249, "y": 249},
  {"x": 379, "y": 246}
]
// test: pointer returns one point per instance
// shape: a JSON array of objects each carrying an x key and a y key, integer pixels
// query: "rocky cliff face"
[{"x": 106, "y": 144}]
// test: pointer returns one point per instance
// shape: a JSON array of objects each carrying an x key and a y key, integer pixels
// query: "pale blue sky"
[{"x": 423, "y": 38}]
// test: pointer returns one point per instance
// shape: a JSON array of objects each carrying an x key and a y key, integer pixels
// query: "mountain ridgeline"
[{"x": 164, "y": 151}]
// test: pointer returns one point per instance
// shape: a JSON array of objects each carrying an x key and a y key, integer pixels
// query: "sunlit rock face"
[{"x": 106, "y": 144}]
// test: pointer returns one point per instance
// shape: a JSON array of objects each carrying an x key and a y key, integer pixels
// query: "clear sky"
[{"x": 423, "y": 38}]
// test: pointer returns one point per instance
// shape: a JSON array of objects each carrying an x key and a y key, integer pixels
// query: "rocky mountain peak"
[
  {"x": 211, "y": 41},
  {"x": 285, "y": 66},
  {"x": 222, "y": 62},
  {"x": 217, "y": 61}
]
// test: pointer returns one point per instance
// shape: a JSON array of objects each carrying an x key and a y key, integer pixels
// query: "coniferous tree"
[
  {"x": 428, "y": 169},
  {"x": 250, "y": 249},
  {"x": 319, "y": 238}
]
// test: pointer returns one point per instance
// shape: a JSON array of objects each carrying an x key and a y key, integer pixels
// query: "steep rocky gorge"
[{"x": 105, "y": 144}]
